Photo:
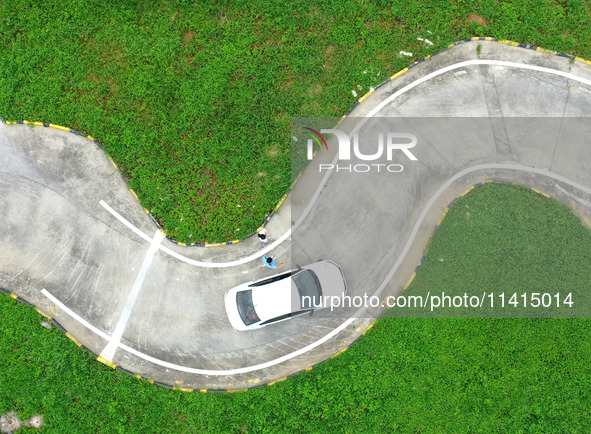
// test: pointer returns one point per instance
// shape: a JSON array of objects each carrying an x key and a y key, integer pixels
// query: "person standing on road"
[
  {"x": 269, "y": 261},
  {"x": 264, "y": 236}
]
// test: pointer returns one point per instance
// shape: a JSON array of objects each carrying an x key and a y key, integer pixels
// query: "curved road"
[{"x": 76, "y": 243}]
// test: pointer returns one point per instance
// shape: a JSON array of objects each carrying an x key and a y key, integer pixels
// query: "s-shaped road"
[{"x": 76, "y": 243}]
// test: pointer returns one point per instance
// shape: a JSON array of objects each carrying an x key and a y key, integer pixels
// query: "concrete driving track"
[{"x": 76, "y": 243}]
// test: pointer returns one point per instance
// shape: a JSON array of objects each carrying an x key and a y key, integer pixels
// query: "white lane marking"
[
  {"x": 324, "y": 180},
  {"x": 445, "y": 186},
  {"x": 337, "y": 330},
  {"x": 169, "y": 365},
  {"x": 180, "y": 257},
  {"x": 413, "y": 233},
  {"x": 109, "y": 351},
  {"x": 74, "y": 315},
  {"x": 238, "y": 370},
  {"x": 462, "y": 65},
  {"x": 124, "y": 221}
]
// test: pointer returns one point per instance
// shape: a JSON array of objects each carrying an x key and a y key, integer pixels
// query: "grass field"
[
  {"x": 512, "y": 243},
  {"x": 194, "y": 100},
  {"x": 408, "y": 375}
]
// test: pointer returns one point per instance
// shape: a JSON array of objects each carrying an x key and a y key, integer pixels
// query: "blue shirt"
[{"x": 269, "y": 264}]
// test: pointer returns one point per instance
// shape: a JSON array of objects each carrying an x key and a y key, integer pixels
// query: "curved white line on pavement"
[
  {"x": 238, "y": 370},
  {"x": 409, "y": 242},
  {"x": 426, "y": 209},
  {"x": 125, "y": 222},
  {"x": 470, "y": 63},
  {"x": 249, "y": 258},
  {"x": 180, "y": 257},
  {"x": 169, "y": 365},
  {"x": 445, "y": 186},
  {"x": 324, "y": 180},
  {"x": 74, "y": 315}
]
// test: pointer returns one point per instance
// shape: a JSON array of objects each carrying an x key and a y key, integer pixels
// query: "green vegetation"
[
  {"x": 410, "y": 375},
  {"x": 193, "y": 100},
  {"x": 511, "y": 242}
]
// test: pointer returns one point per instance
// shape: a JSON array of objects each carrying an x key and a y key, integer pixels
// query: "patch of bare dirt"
[
  {"x": 315, "y": 90},
  {"x": 188, "y": 37},
  {"x": 473, "y": 18},
  {"x": 328, "y": 51}
]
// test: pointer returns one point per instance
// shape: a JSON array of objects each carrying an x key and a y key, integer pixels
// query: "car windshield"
[
  {"x": 246, "y": 308},
  {"x": 308, "y": 288}
]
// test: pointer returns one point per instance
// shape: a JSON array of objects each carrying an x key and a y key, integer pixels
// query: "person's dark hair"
[
  {"x": 269, "y": 259},
  {"x": 262, "y": 236}
]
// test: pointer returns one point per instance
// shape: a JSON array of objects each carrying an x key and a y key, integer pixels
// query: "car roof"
[{"x": 275, "y": 299}]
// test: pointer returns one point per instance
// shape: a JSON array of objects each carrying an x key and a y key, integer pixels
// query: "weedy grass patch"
[{"x": 502, "y": 240}]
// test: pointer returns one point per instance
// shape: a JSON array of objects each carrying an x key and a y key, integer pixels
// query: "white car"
[{"x": 278, "y": 298}]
